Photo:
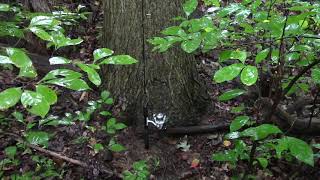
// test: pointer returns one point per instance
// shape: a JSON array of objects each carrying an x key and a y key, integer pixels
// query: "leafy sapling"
[{"x": 140, "y": 171}]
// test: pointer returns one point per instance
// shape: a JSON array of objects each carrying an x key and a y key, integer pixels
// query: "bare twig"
[{"x": 51, "y": 153}]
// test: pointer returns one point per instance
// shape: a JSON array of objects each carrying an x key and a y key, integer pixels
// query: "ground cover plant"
[{"x": 263, "y": 78}]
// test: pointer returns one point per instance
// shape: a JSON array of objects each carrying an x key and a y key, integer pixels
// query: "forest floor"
[{"x": 169, "y": 157}]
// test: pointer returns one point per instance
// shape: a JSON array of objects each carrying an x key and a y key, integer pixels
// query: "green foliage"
[
  {"x": 254, "y": 37},
  {"x": 140, "y": 171}
]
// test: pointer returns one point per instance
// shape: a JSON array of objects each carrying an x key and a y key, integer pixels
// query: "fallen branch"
[
  {"x": 196, "y": 129},
  {"x": 51, "y": 153}
]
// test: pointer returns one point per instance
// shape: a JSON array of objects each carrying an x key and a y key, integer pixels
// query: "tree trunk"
[{"x": 162, "y": 82}]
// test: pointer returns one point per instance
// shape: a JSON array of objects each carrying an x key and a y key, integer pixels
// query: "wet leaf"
[
  {"x": 260, "y": 132},
  {"x": 300, "y": 150},
  {"x": 262, "y": 55},
  {"x": 9, "y": 97},
  {"x": 231, "y": 94},
  {"x": 238, "y": 123},
  {"x": 101, "y": 53},
  {"x": 119, "y": 60},
  {"x": 93, "y": 76},
  {"x": 59, "y": 60},
  {"x": 228, "y": 73},
  {"x": 38, "y": 138},
  {"x": 48, "y": 94},
  {"x": 189, "y": 6},
  {"x": 249, "y": 75}
]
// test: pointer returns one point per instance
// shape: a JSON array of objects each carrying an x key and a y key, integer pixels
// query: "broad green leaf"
[
  {"x": 62, "y": 72},
  {"x": 229, "y": 10},
  {"x": 231, "y": 94},
  {"x": 38, "y": 103},
  {"x": 111, "y": 122},
  {"x": 30, "y": 98},
  {"x": 262, "y": 55},
  {"x": 48, "y": 94},
  {"x": 47, "y": 21},
  {"x": 282, "y": 145},
  {"x": 105, "y": 95},
  {"x": 119, "y": 60},
  {"x": 9, "y": 98},
  {"x": 315, "y": 74},
  {"x": 241, "y": 55},
  {"x": 4, "y": 7},
  {"x": 228, "y": 73},
  {"x": 101, "y": 53},
  {"x": 238, "y": 109},
  {"x": 249, "y": 75},
  {"x": 70, "y": 83},
  {"x": 5, "y": 60},
  {"x": 260, "y": 132},
  {"x": 97, "y": 147},
  {"x": 301, "y": 150},
  {"x": 93, "y": 76},
  {"x": 263, "y": 162},
  {"x": 174, "y": 31},
  {"x": 10, "y": 151},
  {"x": 120, "y": 126},
  {"x": 205, "y": 24},
  {"x": 59, "y": 60},
  {"x": 238, "y": 123},
  {"x": 41, "y": 109},
  {"x": 42, "y": 34},
  {"x": 22, "y": 61},
  {"x": 191, "y": 45},
  {"x": 189, "y": 6},
  {"x": 38, "y": 138},
  {"x": 117, "y": 148},
  {"x": 229, "y": 156}
]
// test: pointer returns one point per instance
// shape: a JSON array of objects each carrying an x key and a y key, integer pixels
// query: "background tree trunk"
[{"x": 165, "y": 82}]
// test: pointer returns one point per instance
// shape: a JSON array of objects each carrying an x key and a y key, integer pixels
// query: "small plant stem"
[{"x": 251, "y": 159}]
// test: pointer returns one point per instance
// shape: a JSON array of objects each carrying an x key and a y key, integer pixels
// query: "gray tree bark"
[{"x": 164, "y": 82}]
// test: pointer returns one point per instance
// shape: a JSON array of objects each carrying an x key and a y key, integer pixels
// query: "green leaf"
[
  {"x": 105, "y": 113},
  {"x": 174, "y": 31},
  {"x": 4, "y": 7},
  {"x": 62, "y": 72},
  {"x": 5, "y": 60},
  {"x": 238, "y": 123},
  {"x": 59, "y": 60},
  {"x": 119, "y": 60},
  {"x": 47, "y": 21},
  {"x": 241, "y": 55},
  {"x": 10, "y": 151},
  {"x": 227, "y": 156},
  {"x": 260, "y": 132},
  {"x": 47, "y": 93},
  {"x": 38, "y": 103},
  {"x": 101, "y": 53},
  {"x": 9, "y": 98},
  {"x": 97, "y": 147},
  {"x": 263, "y": 162},
  {"x": 262, "y": 55},
  {"x": 315, "y": 74},
  {"x": 22, "y": 61},
  {"x": 70, "y": 83},
  {"x": 93, "y": 76},
  {"x": 300, "y": 150},
  {"x": 189, "y": 6},
  {"x": 117, "y": 148},
  {"x": 238, "y": 109},
  {"x": 38, "y": 138},
  {"x": 42, "y": 34},
  {"x": 191, "y": 45},
  {"x": 120, "y": 126},
  {"x": 104, "y": 95},
  {"x": 231, "y": 94},
  {"x": 228, "y": 73},
  {"x": 249, "y": 75}
]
